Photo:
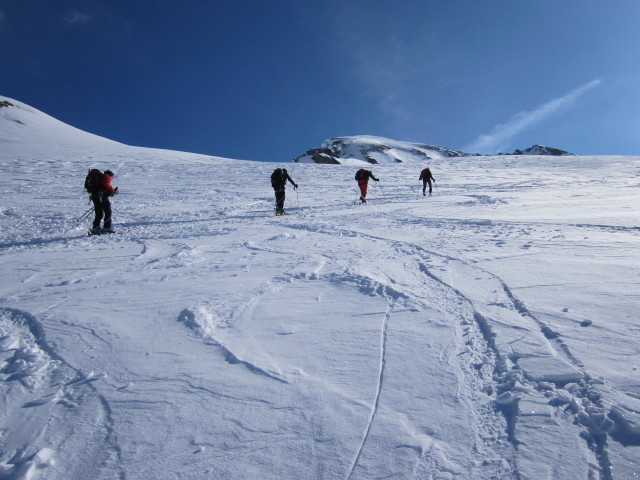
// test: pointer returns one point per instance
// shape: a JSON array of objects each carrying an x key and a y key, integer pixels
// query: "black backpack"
[
  {"x": 360, "y": 174},
  {"x": 276, "y": 178},
  {"x": 92, "y": 180}
]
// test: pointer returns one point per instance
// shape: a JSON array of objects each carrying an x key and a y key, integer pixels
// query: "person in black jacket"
[
  {"x": 426, "y": 177},
  {"x": 279, "y": 179},
  {"x": 363, "y": 176}
]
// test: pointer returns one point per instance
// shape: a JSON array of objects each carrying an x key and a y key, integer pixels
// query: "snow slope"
[
  {"x": 21, "y": 123},
  {"x": 487, "y": 332}
]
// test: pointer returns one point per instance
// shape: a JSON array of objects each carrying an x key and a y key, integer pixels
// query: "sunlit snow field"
[{"x": 489, "y": 331}]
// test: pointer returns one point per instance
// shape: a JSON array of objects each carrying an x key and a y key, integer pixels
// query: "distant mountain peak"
[
  {"x": 373, "y": 150},
  {"x": 367, "y": 149},
  {"x": 542, "y": 150}
]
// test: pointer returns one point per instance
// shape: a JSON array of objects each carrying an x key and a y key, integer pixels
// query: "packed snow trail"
[{"x": 486, "y": 332}]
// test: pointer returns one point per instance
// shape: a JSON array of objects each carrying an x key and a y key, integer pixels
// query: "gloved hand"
[
  {"x": 377, "y": 180},
  {"x": 295, "y": 186},
  {"x": 115, "y": 191}
]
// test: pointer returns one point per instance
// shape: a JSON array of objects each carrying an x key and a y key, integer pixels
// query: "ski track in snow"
[
  {"x": 583, "y": 406},
  {"x": 484, "y": 418},
  {"x": 374, "y": 407}
]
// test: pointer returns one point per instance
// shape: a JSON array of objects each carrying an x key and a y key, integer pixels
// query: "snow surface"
[{"x": 487, "y": 332}]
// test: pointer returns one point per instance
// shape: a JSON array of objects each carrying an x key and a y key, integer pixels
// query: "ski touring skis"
[{"x": 100, "y": 231}]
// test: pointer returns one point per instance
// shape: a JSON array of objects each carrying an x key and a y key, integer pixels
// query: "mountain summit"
[
  {"x": 369, "y": 149},
  {"x": 542, "y": 150}
]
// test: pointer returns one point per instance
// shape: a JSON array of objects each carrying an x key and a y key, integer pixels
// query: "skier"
[
  {"x": 362, "y": 176},
  {"x": 102, "y": 206},
  {"x": 279, "y": 179},
  {"x": 426, "y": 177}
]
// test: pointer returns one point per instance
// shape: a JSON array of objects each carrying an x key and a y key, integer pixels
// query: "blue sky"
[{"x": 268, "y": 79}]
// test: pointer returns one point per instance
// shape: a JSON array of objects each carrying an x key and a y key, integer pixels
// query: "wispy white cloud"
[
  {"x": 78, "y": 18},
  {"x": 501, "y": 134},
  {"x": 387, "y": 62}
]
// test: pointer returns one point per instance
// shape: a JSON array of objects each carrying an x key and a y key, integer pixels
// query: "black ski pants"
[
  {"x": 280, "y": 194},
  {"x": 424, "y": 184},
  {"x": 102, "y": 207}
]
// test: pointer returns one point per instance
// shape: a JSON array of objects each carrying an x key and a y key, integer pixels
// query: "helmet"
[{"x": 108, "y": 172}]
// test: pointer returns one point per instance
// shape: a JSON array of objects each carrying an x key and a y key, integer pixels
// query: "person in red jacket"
[
  {"x": 102, "y": 205},
  {"x": 363, "y": 176}
]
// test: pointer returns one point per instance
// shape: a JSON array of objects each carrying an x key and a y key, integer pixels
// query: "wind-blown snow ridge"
[{"x": 200, "y": 320}]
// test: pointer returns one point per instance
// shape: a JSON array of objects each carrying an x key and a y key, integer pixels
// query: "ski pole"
[
  {"x": 84, "y": 216},
  {"x": 126, "y": 215},
  {"x": 298, "y": 200},
  {"x": 381, "y": 189}
]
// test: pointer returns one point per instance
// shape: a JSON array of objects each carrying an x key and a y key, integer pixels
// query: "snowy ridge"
[
  {"x": 541, "y": 150},
  {"x": 486, "y": 332},
  {"x": 19, "y": 122},
  {"x": 365, "y": 149}
]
